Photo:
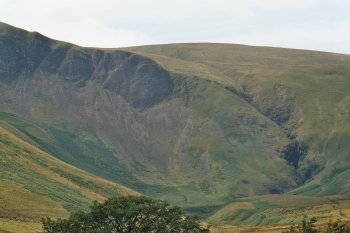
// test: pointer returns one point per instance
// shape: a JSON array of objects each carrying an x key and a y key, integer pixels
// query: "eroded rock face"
[
  {"x": 21, "y": 52},
  {"x": 140, "y": 81}
]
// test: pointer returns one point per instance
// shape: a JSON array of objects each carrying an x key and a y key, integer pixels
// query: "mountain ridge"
[{"x": 190, "y": 123}]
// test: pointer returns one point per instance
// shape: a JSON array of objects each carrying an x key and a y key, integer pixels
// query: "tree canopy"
[{"x": 132, "y": 214}]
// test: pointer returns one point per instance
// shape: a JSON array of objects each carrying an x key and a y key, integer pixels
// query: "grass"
[
  {"x": 79, "y": 150},
  {"x": 281, "y": 210},
  {"x": 34, "y": 184},
  {"x": 15, "y": 226},
  {"x": 20, "y": 203},
  {"x": 310, "y": 88}
]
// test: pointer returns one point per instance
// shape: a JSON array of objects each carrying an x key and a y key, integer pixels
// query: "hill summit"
[{"x": 195, "y": 124}]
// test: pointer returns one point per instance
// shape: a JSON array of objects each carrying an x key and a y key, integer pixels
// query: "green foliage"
[{"x": 127, "y": 214}]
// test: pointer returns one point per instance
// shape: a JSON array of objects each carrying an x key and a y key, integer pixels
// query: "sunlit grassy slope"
[
  {"x": 33, "y": 184},
  {"x": 281, "y": 210},
  {"x": 17, "y": 226}
]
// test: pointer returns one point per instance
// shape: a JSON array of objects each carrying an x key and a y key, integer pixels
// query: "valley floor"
[
  {"x": 15, "y": 226},
  {"x": 265, "y": 229}
]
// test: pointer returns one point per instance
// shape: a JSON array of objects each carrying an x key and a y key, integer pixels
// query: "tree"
[
  {"x": 130, "y": 214},
  {"x": 307, "y": 226}
]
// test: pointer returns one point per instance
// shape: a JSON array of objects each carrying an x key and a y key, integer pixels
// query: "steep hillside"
[
  {"x": 124, "y": 117},
  {"x": 196, "y": 124},
  {"x": 305, "y": 93},
  {"x": 33, "y": 184}
]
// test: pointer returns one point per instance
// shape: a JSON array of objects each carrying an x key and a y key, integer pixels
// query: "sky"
[{"x": 305, "y": 24}]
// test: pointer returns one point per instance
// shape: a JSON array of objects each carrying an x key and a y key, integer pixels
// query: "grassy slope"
[
  {"x": 281, "y": 209},
  {"x": 16, "y": 226},
  {"x": 33, "y": 184},
  {"x": 76, "y": 147},
  {"x": 314, "y": 85}
]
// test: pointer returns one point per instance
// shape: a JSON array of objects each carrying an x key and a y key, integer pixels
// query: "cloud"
[
  {"x": 308, "y": 24},
  {"x": 69, "y": 21},
  {"x": 323, "y": 38}
]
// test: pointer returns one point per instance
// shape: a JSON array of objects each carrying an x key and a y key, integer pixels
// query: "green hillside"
[
  {"x": 199, "y": 125},
  {"x": 281, "y": 210},
  {"x": 305, "y": 93},
  {"x": 33, "y": 184}
]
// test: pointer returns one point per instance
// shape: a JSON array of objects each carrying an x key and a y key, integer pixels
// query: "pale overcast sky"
[{"x": 306, "y": 24}]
